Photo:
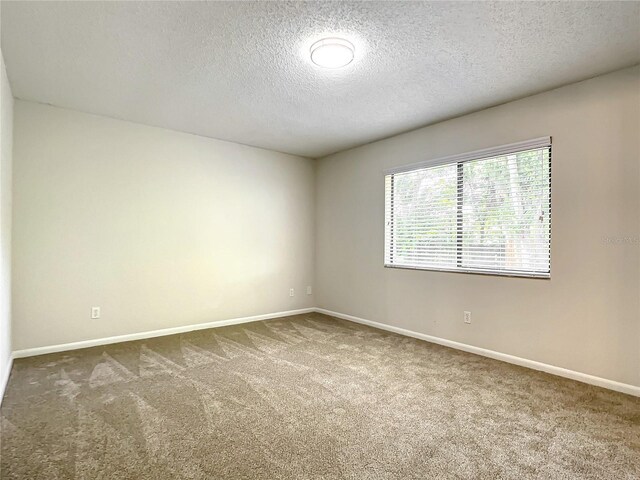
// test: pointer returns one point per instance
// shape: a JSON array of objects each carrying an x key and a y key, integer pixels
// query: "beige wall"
[
  {"x": 587, "y": 317},
  {"x": 158, "y": 228},
  {"x": 6, "y": 140}
]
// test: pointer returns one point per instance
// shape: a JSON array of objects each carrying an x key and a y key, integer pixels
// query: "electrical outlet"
[
  {"x": 95, "y": 312},
  {"x": 467, "y": 317},
  {"x": 309, "y": 291},
  {"x": 291, "y": 292}
]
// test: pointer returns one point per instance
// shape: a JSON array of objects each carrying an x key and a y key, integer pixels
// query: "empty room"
[{"x": 320, "y": 240}]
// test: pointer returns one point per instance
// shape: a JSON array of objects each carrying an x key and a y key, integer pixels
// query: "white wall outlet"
[
  {"x": 309, "y": 291},
  {"x": 291, "y": 292},
  {"x": 95, "y": 312},
  {"x": 467, "y": 317}
]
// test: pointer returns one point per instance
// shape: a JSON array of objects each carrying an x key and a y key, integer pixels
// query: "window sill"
[{"x": 494, "y": 273}]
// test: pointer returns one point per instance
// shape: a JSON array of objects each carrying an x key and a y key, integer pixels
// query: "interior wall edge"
[
  {"x": 6, "y": 198},
  {"x": 4, "y": 380}
]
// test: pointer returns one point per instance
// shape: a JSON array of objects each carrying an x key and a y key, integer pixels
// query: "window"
[{"x": 483, "y": 212}]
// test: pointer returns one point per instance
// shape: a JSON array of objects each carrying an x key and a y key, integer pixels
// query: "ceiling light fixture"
[{"x": 332, "y": 52}]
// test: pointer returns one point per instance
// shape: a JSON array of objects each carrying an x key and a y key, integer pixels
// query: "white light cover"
[{"x": 332, "y": 52}]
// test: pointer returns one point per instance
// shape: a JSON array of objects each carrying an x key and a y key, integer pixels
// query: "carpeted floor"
[{"x": 306, "y": 397}]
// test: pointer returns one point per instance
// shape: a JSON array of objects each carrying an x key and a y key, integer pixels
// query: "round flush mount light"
[{"x": 332, "y": 52}]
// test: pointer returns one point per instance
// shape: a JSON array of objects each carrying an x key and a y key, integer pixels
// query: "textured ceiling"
[{"x": 240, "y": 71}]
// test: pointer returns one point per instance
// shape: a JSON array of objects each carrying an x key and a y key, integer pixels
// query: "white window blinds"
[{"x": 483, "y": 212}]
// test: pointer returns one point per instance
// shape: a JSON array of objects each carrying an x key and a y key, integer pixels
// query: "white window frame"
[{"x": 537, "y": 143}]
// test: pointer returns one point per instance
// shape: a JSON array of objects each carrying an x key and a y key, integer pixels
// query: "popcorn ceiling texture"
[{"x": 240, "y": 71}]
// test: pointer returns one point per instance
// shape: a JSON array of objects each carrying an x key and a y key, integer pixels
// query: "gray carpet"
[{"x": 306, "y": 397}]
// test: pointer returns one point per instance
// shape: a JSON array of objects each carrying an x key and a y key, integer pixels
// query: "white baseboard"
[
  {"x": 5, "y": 378},
  {"x": 523, "y": 362},
  {"x": 31, "y": 352},
  {"x": 559, "y": 371}
]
